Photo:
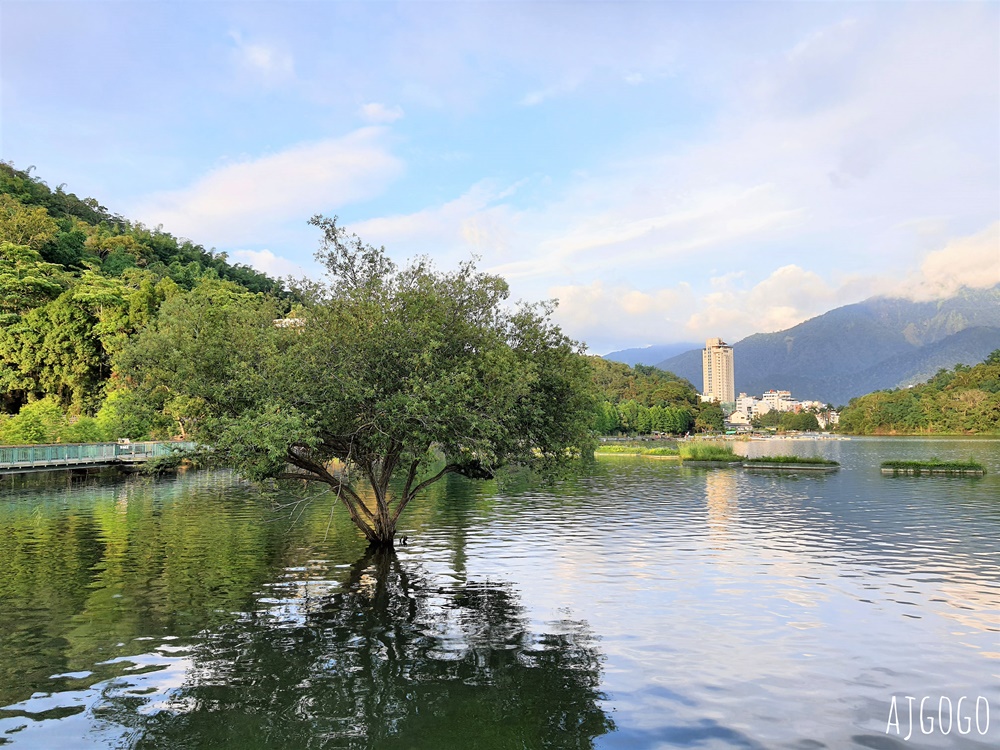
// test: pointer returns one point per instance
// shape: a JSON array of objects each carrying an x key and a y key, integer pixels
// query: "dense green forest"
[
  {"x": 77, "y": 282},
  {"x": 964, "y": 400}
]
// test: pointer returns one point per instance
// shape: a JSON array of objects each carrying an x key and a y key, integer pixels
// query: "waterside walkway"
[{"x": 20, "y": 459}]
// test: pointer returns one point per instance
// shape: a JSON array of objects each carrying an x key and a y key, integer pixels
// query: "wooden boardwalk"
[{"x": 20, "y": 459}]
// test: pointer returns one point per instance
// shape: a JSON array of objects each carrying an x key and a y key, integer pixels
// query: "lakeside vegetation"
[
  {"x": 787, "y": 421},
  {"x": 636, "y": 450},
  {"x": 964, "y": 400},
  {"x": 708, "y": 452}
]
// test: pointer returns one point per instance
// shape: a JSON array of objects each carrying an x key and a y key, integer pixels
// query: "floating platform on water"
[
  {"x": 929, "y": 472},
  {"x": 777, "y": 466},
  {"x": 933, "y": 468},
  {"x": 712, "y": 464}
]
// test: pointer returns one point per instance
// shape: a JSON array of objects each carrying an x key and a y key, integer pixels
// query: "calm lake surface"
[{"x": 639, "y": 605}]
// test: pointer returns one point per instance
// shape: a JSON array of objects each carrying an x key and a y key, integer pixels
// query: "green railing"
[{"x": 81, "y": 454}]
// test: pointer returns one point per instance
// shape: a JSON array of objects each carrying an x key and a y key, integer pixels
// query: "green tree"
[
  {"x": 710, "y": 418},
  {"x": 607, "y": 420},
  {"x": 26, "y": 281},
  {"x": 21, "y": 225},
  {"x": 801, "y": 421},
  {"x": 387, "y": 373},
  {"x": 770, "y": 418},
  {"x": 38, "y": 422},
  {"x": 628, "y": 415}
]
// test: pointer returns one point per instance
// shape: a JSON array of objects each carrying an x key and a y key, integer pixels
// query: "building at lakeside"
[
  {"x": 749, "y": 407},
  {"x": 717, "y": 372},
  {"x": 779, "y": 400}
]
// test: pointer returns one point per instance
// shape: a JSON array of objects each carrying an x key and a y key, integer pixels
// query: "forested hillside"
[
  {"x": 963, "y": 400},
  {"x": 644, "y": 399},
  {"x": 76, "y": 283}
]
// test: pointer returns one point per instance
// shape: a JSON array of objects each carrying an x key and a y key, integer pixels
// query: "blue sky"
[{"x": 668, "y": 171}]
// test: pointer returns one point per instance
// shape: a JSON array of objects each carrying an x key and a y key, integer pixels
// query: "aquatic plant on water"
[{"x": 709, "y": 452}]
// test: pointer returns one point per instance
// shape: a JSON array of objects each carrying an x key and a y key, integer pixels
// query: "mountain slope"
[{"x": 875, "y": 344}]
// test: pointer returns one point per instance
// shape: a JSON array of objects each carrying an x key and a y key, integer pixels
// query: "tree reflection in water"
[{"x": 385, "y": 662}]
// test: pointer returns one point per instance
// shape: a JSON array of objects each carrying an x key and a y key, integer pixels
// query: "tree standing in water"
[{"x": 383, "y": 373}]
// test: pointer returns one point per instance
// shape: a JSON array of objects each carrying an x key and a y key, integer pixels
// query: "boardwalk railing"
[{"x": 40, "y": 457}]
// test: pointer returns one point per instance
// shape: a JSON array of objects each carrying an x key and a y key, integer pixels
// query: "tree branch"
[
  {"x": 340, "y": 486},
  {"x": 410, "y": 476},
  {"x": 424, "y": 484}
]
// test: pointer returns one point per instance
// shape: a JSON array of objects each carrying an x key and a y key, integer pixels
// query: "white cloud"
[
  {"x": 475, "y": 222},
  {"x": 267, "y": 63},
  {"x": 534, "y": 98},
  {"x": 832, "y": 157},
  {"x": 600, "y": 313},
  {"x": 972, "y": 262},
  {"x": 785, "y": 298},
  {"x": 377, "y": 113},
  {"x": 267, "y": 262},
  {"x": 613, "y": 316},
  {"x": 240, "y": 203}
]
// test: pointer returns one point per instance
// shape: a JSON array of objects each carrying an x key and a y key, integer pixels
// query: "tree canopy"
[{"x": 382, "y": 373}]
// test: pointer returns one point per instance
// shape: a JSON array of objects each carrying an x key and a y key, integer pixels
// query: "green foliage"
[
  {"x": 76, "y": 284},
  {"x": 636, "y": 450},
  {"x": 39, "y": 422},
  {"x": 125, "y": 414},
  {"x": 83, "y": 430},
  {"x": 710, "y": 418},
  {"x": 647, "y": 386},
  {"x": 44, "y": 421},
  {"x": 787, "y": 421},
  {"x": 641, "y": 400},
  {"x": 962, "y": 400},
  {"x": 26, "y": 281},
  {"x": 21, "y": 225},
  {"x": 389, "y": 368},
  {"x": 708, "y": 452},
  {"x": 64, "y": 347}
]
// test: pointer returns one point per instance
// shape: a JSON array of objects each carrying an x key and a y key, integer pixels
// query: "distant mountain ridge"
[
  {"x": 876, "y": 344},
  {"x": 649, "y": 355}
]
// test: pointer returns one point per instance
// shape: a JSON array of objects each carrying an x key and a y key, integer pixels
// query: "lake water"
[{"x": 638, "y": 605}]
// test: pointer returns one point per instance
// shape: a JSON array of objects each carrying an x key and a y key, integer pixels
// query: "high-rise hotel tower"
[{"x": 717, "y": 371}]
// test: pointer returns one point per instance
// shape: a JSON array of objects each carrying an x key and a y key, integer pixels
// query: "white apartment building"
[
  {"x": 779, "y": 400},
  {"x": 747, "y": 405},
  {"x": 717, "y": 372}
]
